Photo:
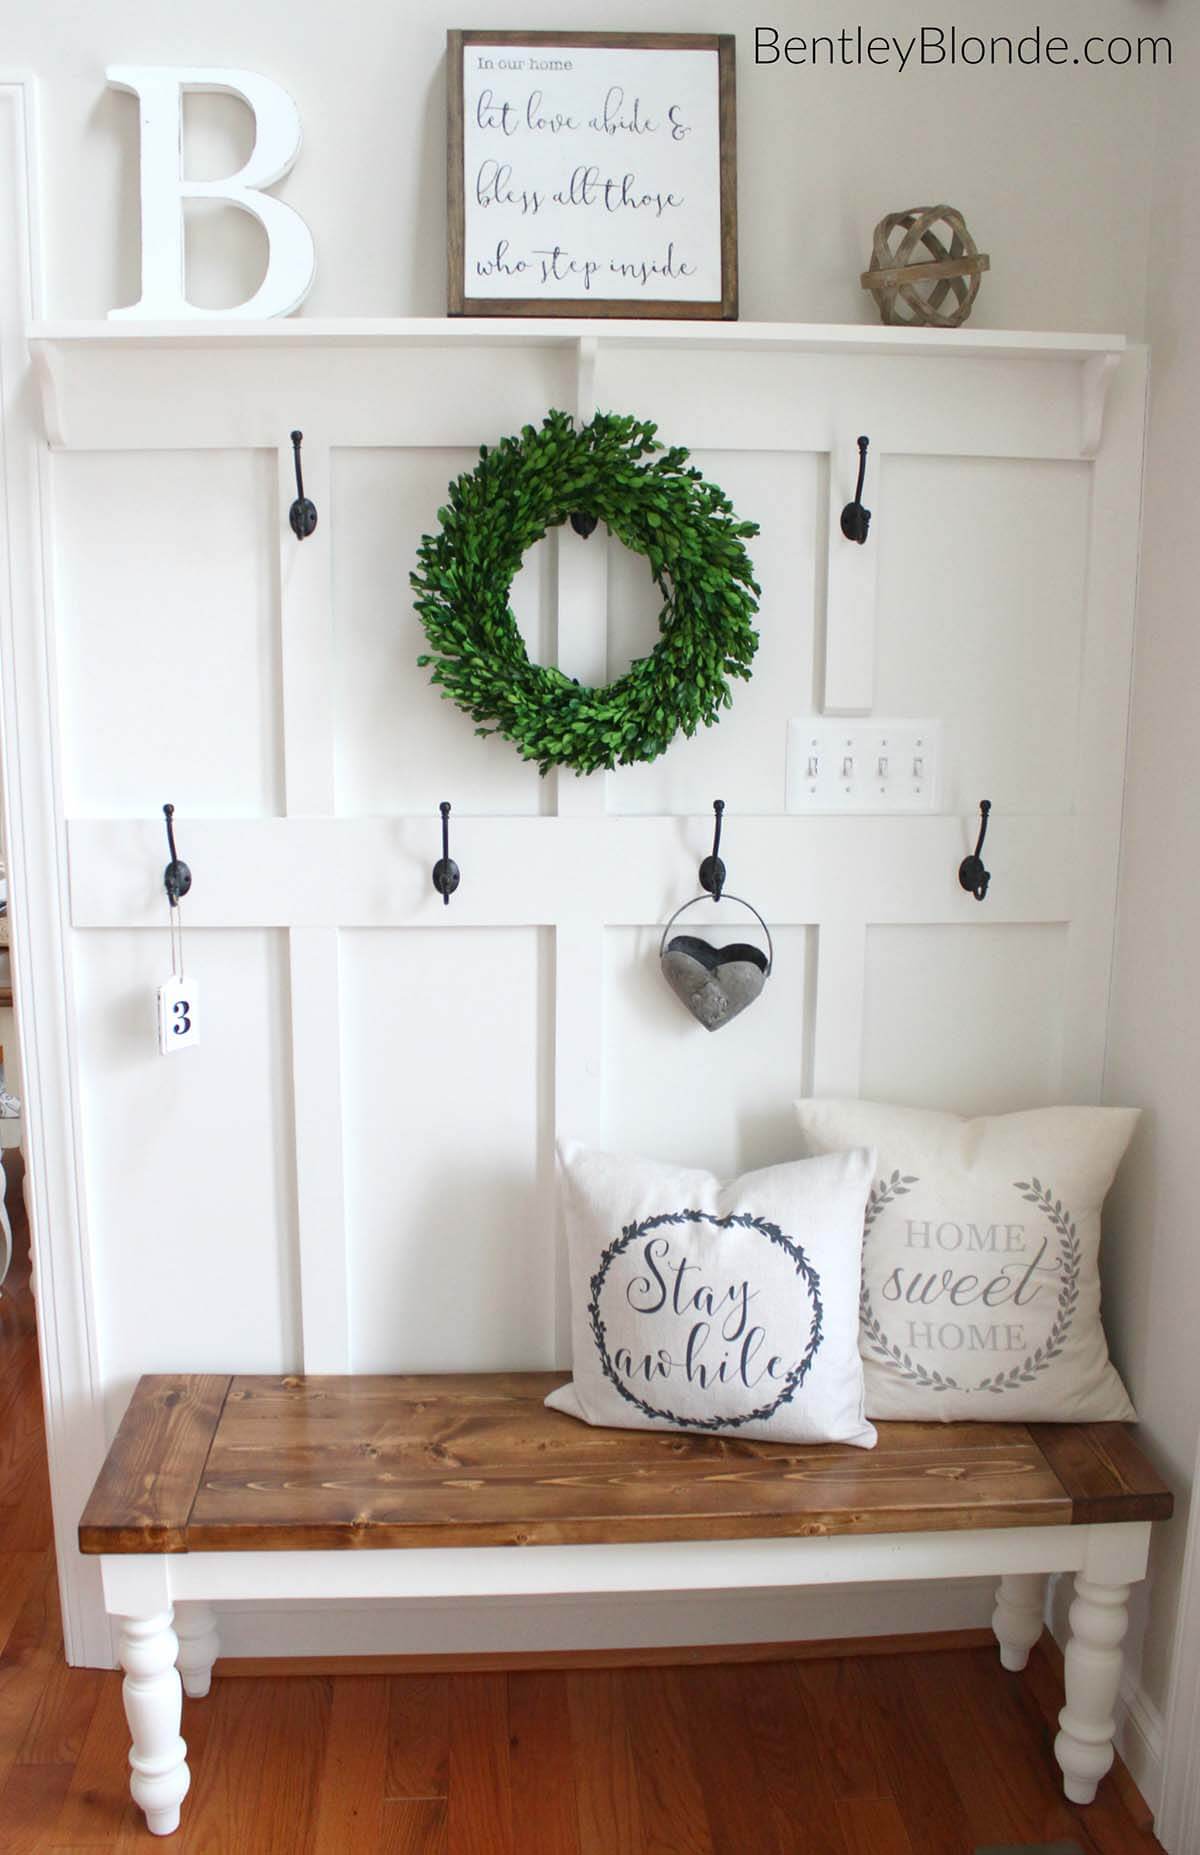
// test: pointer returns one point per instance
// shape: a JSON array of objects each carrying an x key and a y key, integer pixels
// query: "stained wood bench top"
[{"x": 216, "y": 1464}]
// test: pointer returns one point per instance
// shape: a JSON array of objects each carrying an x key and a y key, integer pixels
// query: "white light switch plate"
[{"x": 863, "y": 766}]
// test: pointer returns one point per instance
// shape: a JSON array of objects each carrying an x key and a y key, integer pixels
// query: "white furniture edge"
[{"x": 163, "y": 1653}]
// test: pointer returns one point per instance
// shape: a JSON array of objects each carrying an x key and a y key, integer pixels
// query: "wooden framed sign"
[{"x": 592, "y": 174}]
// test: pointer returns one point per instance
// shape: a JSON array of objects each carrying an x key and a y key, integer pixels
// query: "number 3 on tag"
[{"x": 178, "y": 1026}]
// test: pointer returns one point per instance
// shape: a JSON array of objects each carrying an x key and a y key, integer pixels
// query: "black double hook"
[
  {"x": 855, "y": 519},
  {"x": 303, "y": 514},
  {"x": 177, "y": 877},
  {"x": 446, "y": 873},
  {"x": 971, "y": 873},
  {"x": 712, "y": 870}
]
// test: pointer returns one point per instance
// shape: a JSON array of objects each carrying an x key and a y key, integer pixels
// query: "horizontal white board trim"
[{"x": 624, "y": 871}]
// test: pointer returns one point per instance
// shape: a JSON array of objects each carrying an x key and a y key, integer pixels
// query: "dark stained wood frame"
[
  {"x": 214, "y": 1464},
  {"x": 460, "y": 304}
]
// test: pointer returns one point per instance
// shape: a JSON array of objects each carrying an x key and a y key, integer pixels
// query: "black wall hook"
[
  {"x": 446, "y": 874},
  {"x": 177, "y": 877},
  {"x": 971, "y": 873},
  {"x": 712, "y": 870},
  {"x": 303, "y": 514},
  {"x": 584, "y": 525},
  {"x": 855, "y": 519}
]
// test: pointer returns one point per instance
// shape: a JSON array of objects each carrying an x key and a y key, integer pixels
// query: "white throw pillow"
[
  {"x": 981, "y": 1279},
  {"x": 723, "y": 1308}
]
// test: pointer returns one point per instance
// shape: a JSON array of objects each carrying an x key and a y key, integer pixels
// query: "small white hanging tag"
[
  {"x": 178, "y": 1026},
  {"x": 177, "y": 1023}
]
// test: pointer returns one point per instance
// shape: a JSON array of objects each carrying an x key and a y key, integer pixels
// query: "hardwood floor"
[{"x": 896, "y": 1754}]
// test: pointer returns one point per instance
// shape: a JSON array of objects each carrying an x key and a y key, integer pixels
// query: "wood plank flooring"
[{"x": 896, "y": 1754}]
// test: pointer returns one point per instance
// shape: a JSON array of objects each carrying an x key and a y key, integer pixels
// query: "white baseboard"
[
  {"x": 1140, "y": 1741},
  {"x": 609, "y": 1621}
]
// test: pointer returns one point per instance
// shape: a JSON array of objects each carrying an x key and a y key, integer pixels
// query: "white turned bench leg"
[
  {"x": 1084, "y": 1748},
  {"x": 153, "y": 1707},
  {"x": 199, "y": 1646},
  {"x": 1018, "y": 1616}
]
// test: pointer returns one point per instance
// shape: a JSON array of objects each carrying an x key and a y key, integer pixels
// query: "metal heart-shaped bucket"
[{"x": 716, "y": 984}]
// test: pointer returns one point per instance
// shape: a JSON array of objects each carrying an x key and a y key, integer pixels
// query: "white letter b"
[{"x": 291, "y": 258}]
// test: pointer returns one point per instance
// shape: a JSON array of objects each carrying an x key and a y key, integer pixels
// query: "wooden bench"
[{"x": 219, "y": 1489}]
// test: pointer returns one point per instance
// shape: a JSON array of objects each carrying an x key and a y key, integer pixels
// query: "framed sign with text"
[{"x": 591, "y": 174}]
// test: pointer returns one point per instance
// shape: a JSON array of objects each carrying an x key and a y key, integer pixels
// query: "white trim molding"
[
  {"x": 1179, "y": 1822},
  {"x": 36, "y": 840}
]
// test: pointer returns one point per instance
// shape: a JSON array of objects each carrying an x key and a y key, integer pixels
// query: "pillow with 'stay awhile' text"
[{"x": 719, "y": 1308}]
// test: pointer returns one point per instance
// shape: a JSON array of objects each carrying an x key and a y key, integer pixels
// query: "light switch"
[{"x": 863, "y": 766}]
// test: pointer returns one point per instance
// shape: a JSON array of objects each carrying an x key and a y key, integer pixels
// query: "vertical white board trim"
[
  {"x": 319, "y": 1161},
  {"x": 308, "y": 668},
  {"x": 850, "y": 584},
  {"x": 578, "y": 1072},
  {"x": 306, "y": 650},
  {"x": 36, "y": 839},
  {"x": 1106, "y": 688},
  {"x": 579, "y": 941},
  {"x": 582, "y": 603},
  {"x": 840, "y": 1001}
]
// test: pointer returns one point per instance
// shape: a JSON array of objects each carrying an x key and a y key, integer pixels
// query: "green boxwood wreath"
[{"x": 614, "y": 470}]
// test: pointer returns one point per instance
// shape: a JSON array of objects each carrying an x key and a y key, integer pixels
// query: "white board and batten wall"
[{"x": 353, "y": 1170}]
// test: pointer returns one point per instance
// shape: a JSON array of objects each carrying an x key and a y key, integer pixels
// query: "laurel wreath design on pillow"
[
  {"x": 747, "y": 1221},
  {"x": 884, "y": 1193}
]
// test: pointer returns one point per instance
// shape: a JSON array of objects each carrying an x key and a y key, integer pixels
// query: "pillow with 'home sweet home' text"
[
  {"x": 718, "y": 1308},
  {"x": 981, "y": 1277}
]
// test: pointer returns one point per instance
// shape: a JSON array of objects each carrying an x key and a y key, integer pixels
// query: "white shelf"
[
  {"x": 210, "y": 381},
  {"x": 499, "y": 332}
]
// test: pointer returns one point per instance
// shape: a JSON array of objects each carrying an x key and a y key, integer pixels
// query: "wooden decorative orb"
[{"x": 913, "y": 289}]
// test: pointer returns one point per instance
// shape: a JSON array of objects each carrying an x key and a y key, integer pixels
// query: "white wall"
[
  {"x": 1051, "y": 166},
  {"x": 1152, "y": 1260}
]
